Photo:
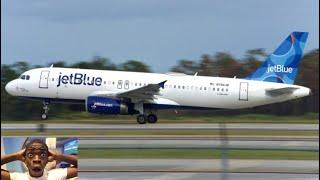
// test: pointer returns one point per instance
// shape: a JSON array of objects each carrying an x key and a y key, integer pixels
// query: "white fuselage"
[{"x": 179, "y": 89}]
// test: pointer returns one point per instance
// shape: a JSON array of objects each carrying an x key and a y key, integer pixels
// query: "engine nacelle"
[{"x": 103, "y": 105}]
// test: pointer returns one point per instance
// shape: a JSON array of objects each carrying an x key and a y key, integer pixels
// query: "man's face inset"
[{"x": 36, "y": 159}]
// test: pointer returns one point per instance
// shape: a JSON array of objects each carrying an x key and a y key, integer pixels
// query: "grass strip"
[
  {"x": 197, "y": 154},
  {"x": 83, "y": 117},
  {"x": 162, "y": 132}
]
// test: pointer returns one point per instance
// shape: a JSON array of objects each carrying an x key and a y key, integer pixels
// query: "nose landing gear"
[{"x": 44, "y": 115}]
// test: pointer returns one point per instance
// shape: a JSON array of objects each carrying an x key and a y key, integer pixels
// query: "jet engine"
[{"x": 105, "y": 105}]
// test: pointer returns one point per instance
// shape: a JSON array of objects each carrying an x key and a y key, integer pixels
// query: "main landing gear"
[
  {"x": 44, "y": 115},
  {"x": 142, "y": 118},
  {"x": 151, "y": 118}
]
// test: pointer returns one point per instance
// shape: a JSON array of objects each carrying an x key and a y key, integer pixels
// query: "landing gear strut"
[{"x": 44, "y": 115}]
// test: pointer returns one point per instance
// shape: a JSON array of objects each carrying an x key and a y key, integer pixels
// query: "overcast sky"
[{"x": 157, "y": 32}]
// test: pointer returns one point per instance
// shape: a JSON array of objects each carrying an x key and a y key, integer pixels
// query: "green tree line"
[{"x": 221, "y": 64}]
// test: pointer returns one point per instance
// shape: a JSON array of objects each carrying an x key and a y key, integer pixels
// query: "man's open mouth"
[{"x": 37, "y": 169}]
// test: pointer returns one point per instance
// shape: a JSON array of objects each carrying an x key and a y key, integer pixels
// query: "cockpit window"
[{"x": 24, "y": 77}]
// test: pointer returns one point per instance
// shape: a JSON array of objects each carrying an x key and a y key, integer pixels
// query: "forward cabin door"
[
  {"x": 47, "y": 84},
  {"x": 243, "y": 91},
  {"x": 44, "y": 78}
]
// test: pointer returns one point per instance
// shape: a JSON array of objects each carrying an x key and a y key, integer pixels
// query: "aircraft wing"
[
  {"x": 104, "y": 94},
  {"x": 281, "y": 91},
  {"x": 143, "y": 93}
]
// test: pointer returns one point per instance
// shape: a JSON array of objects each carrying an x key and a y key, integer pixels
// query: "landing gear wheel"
[
  {"x": 152, "y": 118},
  {"x": 141, "y": 119},
  {"x": 44, "y": 116}
]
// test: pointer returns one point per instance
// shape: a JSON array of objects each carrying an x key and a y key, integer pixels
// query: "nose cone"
[{"x": 11, "y": 87}]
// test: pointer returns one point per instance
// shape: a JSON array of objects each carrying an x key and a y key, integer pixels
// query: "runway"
[
  {"x": 198, "y": 165},
  {"x": 193, "y": 176},
  {"x": 234, "y": 126},
  {"x": 198, "y": 143}
]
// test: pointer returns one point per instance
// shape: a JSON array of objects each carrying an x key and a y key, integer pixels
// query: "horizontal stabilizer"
[{"x": 281, "y": 91}]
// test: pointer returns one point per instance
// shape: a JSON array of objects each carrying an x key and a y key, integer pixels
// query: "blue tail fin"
[{"x": 282, "y": 65}]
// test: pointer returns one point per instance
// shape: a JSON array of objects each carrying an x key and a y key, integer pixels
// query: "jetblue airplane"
[{"x": 118, "y": 92}]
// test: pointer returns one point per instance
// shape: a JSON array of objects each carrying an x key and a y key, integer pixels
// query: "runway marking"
[
  {"x": 173, "y": 176},
  {"x": 187, "y": 171}
]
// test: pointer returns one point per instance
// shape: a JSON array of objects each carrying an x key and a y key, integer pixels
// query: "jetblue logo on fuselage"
[
  {"x": 279, "y": 68},
  {"x": 101, "y": 104},
  {"x": 79, "y": 79}
]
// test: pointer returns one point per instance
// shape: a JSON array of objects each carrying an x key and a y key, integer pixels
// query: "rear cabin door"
[
  {"x": 43, "y": 83},
  {"x": 243, "y": 91}
]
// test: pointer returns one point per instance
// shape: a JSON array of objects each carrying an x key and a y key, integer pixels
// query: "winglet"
[
  {"x": 51, "y": 66},
  {"x": 162, "y": 84}
]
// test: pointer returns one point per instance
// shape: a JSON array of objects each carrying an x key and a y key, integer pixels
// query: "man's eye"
[
  {"x": 30, "y": 155},
  {"x": 43, "y": 155}
]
